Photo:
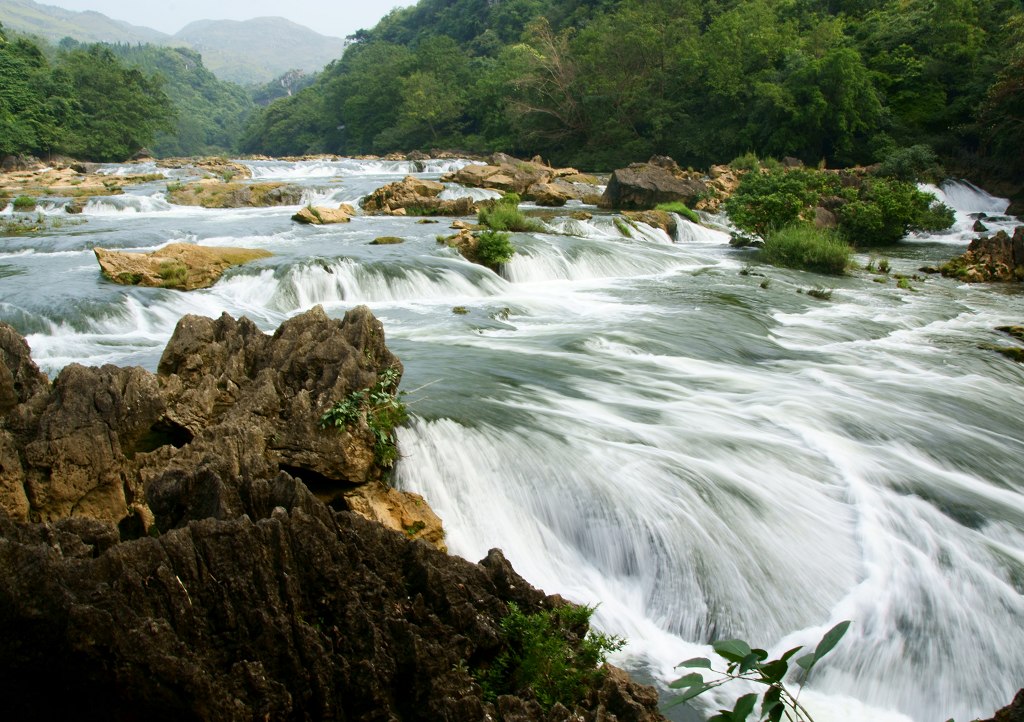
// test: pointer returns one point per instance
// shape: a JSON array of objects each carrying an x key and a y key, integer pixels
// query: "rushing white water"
[{"x": 638, "y": 425}]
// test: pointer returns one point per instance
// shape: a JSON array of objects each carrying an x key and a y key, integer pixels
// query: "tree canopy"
[
  {"x": 602, "y": 82},
  {"x": 85, "y": 103}
]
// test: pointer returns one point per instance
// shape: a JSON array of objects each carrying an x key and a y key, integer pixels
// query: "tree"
[{"x": 116, "y": 111}]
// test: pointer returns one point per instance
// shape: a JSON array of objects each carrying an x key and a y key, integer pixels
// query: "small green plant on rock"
[
  {"x": 24, "y": 203},
  {"x": 380, "y": 407},
  {"x": 553, "y": 652},
  {"x": 679, "y": 208},
  {"x": 494, "y": 248},
  {"x": 504, "y": 215},
  {"x": 753, "y": 665},
  {"x": 173, "y": 273}
]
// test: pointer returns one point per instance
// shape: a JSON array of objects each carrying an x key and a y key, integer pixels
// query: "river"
[{"x": 647, "y": 424}]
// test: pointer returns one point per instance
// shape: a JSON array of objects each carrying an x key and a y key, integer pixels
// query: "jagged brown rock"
[
  {"x": 228, "y": 590},
  {"x": 319, "y": 215},
  {"x": 415, "y": 196},
  {"x": 533, "y": 180},
  {"x": 288, "y": 613},
  {"x": 642, "y": 186},
  {"x": 1013, "y": 712},
  {"x": 229, "y": 403},
  {"x": 999, "y": 257}
]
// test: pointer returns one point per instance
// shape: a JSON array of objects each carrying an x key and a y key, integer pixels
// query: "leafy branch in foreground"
[
  {"x": 753, "y": 665},
  {"x": 380, "y": 407}
]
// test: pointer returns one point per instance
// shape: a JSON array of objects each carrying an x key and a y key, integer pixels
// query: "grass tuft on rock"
[{"x": 807, "y": 248}]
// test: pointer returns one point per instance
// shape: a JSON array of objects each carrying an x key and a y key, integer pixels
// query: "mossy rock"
[
  {"x": 386, "y": 241},
  {"x": 180, "y": 266}
]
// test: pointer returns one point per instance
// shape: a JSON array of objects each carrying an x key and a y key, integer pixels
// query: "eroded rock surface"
[
  {"x": 213, "y": 193},
  {"x": 183, "y": 266},
  {"x": 416, "y": 196},
  {"x": 173, "y": 557},
  {"x": 533, "y": 180},
  {"x": 228, "y": 405},
  {"x": 642, "y": 186},
  {"x": 999, "y": 257}
]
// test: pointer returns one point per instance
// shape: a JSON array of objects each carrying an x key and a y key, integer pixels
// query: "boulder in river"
[
  {"x": 533, "y": 180},
  {"x": 642, "y": 186},
  {"x": 212, "y": 193},
  {"x": 415, "y": 196},
  {"x": 319, "y": 216},
  {"x": 999, "y": 257},
  {"x": 182, "y": 266}
]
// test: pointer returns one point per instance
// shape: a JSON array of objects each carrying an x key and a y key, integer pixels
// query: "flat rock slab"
[{"x": 182, "y": 266}]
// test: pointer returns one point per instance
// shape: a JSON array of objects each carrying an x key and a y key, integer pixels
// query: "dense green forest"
[
  {"x": 209, "y": 114},
  {"x": 85, "y": 103},
  {"x": 107, "y": 101},
  {"x": 598, "y": 83}
]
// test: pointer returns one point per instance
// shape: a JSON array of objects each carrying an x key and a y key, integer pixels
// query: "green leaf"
[
  {"x": 748, "y": 663},
  {"x": 698, "y": 662},
  {"x": 761, "y": 654},
  {"x": 688, "y": 680},
  {"x": 744, "y": 706},
  {"x": 688, "y": 695},
  {"x": 806, "y": 662},
  {"x": 774, "y": 671},
  {"x": 790, "y": 653},
  {"x": 830, "y": 640},
  {"x": 733, "y": 650},
  {"x": 772, "y": 699}
]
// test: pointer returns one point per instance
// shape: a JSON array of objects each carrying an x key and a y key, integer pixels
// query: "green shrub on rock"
[
  {"x": 24, "y": 203},
  {"x": 553, "y": 653},
  {"x": 504, "y": 215},
  {"x": 494, "y": 248},
  {"x": 887, "y": 210}
]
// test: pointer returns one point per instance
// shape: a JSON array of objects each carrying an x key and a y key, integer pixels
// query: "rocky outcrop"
[
  {"x": 532, "y": 180},
  {"x": 656, "y": 219},
  {"x": 415, "y": 196},
  {"x": 173, "y": 557},
  {"x": 212, "y": 193},
  {"x": 1014, "y": 712},
  {"x": 642, "y": 186},
  {"x": 318, "y": 215},
  {"x": 229, "y": 407},
  {"x": 291, "y": 612},
  {"x": 999, "y": 257},
  {"x": 182, "y": 266}
]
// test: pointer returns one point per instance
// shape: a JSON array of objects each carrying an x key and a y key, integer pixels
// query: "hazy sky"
[{"x": 328, "y": 17}]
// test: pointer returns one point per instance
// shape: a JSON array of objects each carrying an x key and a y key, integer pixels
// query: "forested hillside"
[
  {"x": 85, "y": 103},
  {"x": 598, "y": 83},
  {"x": 209, "y": 114}
]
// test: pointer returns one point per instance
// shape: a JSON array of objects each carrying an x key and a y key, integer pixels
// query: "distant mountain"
[
  {"x": 251, "y": 51},
  {"x": 53, "y": 23},
  {"x": 258, "y": 50}
]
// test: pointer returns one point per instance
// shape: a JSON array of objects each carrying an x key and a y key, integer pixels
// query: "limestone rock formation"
[
  {"x": 999, "y": 257},
  {"x": 228, "y": 405},
  {"x": 657, "y": 219},
  {"x": 183, "y": 266},
  {"x": 1014, "y": 712},
  {"x": 319, "y": 215},
  {"x": 642, "y": 186},
  {"x": 291, "y": 612},
  {"x": 533, "y": 180},
  {"x": 171, "y": 555},
  {"x": 415, "y": 196},
  {"x": 213, "y": 193}
]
